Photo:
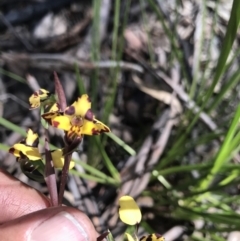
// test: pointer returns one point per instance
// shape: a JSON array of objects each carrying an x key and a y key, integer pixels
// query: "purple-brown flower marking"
[
  {"x": 99, "y": 131},
  {"x": 89, "y": 115},
  {"x": 70, "y": 110}
]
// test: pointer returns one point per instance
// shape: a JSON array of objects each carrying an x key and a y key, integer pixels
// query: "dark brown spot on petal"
[
  {"x": 99, "y": 131},
  {"x": 89, "y": 115},
  {"x": 35, "y": 142},
  {"x": 36, "y": 93},
  {"x": 158, "y": 235},
  {"x": 11, "y": 150},
  {"x": 22, "y": 155},
  {"x": 149, "y": 238},
  {"x": 95, "y": 131},
  {"x": 70, "y": 110},
  {"x": 40, "y": 92},
  {"x": 88, "y": 99},
  {"x": 55, "y": 124},
  {"x": 49, "y": 121}
]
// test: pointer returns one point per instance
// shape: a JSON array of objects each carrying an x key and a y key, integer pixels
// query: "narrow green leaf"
[
  {"x": 224, "y": 151},
  {"x": 226, "y": 47},
  {"x": 121, "y": 143},
  {"x": 9, "y": 125}
]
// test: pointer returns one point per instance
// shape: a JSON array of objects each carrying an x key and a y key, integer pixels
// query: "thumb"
[{"x": 57, "y": 223}]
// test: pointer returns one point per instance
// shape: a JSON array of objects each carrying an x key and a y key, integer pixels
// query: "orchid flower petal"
[
  {"x": 58, "y": 159},
  {"x": 61, "y": 122},
  {"x": 94, "y": 127},
  {"x": 32, "y": 153},
  {"x": 129, "y": 211},
  {"x": 79, "y": 107},
  {"x": 32, "y": 138}
]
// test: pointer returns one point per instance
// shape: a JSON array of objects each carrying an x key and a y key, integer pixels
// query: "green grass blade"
[
  {"x": 9, "y": 125},
  {"x": 111, "y": 168},
  {"x": 12, "y": 75},
  {"x": 224, "y": 151},
  {"x": 198, "y": 50},
  {"x": 95, "y": 172},
  {"x": 91, "y": 178},
  {"x": 81, "y": 87},
  {"x": 121, "y": 143},
  {"x": 116, "y": 54},
  {"x": 234, "y": 79},
  {"x": 226, "y": 47}
]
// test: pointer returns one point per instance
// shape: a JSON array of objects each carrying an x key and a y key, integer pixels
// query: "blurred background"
[{"x": 164, "y": 75}]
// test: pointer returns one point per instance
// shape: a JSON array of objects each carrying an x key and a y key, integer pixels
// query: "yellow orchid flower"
[
  {"x": 28, "y": 149},
  {"x": 77, "y": 119},
  {"x": 129, "y": 211},
  {"x": 152, "y": 237},
  {"x": 130, "y": 214},
  {"x": 37, "y": 97}
]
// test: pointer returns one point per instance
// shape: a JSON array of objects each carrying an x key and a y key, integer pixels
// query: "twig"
[{"x": 60, "y": 62}]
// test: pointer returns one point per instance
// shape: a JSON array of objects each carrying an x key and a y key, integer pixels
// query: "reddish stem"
[
  {"x": 67, "y": 160},
  {"x": 50, "y": 177}
]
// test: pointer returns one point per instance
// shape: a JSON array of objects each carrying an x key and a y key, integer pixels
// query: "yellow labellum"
[
  {"x": 129, "y": 211},
  {"x": 58, "y": 159}
]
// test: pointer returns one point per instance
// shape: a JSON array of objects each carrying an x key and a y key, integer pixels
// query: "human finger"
[
  {"x": 18, "y": 199},
  {"x": 56, "y": 223}
]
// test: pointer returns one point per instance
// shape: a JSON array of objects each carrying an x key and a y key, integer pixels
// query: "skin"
[{"x": 23, "y": 209}]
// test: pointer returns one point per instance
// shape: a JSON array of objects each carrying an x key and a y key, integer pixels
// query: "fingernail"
[{"x": 61, "y": 227}]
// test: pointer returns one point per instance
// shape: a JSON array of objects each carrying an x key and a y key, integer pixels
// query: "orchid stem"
[
  {"x": 50, "y": 177},
  {"x": 64, "y": 176}
]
